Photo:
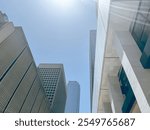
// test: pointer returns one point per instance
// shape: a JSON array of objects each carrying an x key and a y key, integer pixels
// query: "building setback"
[
  {"x": 73, "y": 97},
  {"x": 20, "y": 86},
  {"x": 54, "y": 84},
  {"x": 122, "y": 58}
]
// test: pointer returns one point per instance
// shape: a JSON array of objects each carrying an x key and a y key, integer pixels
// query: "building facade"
[
  {"x": 122, "y": 58},
  {"x": 54, "y": 84},
  {"x": 73, "y": 97},
  {"x": 92, "y": 46},
  {"x": 20, "y": 86}
]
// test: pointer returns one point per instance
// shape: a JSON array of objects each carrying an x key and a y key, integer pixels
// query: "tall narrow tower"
[
  {"x": 73, "y": 97},
  {"x": 92, "y": 48}
]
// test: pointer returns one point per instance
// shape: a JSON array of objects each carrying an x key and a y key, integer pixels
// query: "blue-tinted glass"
[
  {"x": 126, "y": 90},
  {"x": 129, "y": 101},
  {"x": 123, "y": 81},
  {"x": 145, "y": 58},
  {"x": 140, "y": 30}
]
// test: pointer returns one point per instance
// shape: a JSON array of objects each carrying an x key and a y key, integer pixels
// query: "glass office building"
[{"x": 73, "y": 97}]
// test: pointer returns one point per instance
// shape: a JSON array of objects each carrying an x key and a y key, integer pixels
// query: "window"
[
  {"x": 127, "y": 91},
  {"x": 141, "y": 32},
  {"x": 145, "y": 58},
  {"x": 50, "y": 77}
]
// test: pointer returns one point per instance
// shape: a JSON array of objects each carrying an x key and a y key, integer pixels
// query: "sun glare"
[{"x": 64, "y": 4}]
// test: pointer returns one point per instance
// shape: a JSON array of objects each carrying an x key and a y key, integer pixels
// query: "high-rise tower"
[
  {"x": 54, "y": 83},
  {"x": 73, "y": 97},
  {"x": 92, "y": 46},
  {"x": 20, "y": 86}
]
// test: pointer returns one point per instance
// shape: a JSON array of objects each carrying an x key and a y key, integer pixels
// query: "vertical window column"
[
  {"x": 140, "y": 30},
  {"x": 127, "y": 91},
  {"x": 129, "y": 101},
  {"x": 145, "y": 58}
]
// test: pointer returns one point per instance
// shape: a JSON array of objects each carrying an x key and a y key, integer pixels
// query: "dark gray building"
[
  {"x": 92, "y": 48},
  {"x": 20, "y": 86},
  {"x": 54, "y": 83}
]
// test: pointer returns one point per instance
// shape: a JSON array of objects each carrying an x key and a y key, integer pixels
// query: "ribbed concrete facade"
[
  {"x": 54, "y": 84},
  {"x": 122, "y": 59},
  {"x": 20, "y": 86},
  {"x": 73, "y": 97}
]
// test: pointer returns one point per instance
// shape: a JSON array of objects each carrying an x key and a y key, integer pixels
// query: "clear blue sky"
[{"x": 58, "y": 33}]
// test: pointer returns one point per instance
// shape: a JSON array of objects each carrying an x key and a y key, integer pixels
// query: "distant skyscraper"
[
  {"x": 73, "y": 97},
  {"x": 54, "y": 83},
  {"x": 20, "y": 86},
  {"x": 92, "y": 60}
]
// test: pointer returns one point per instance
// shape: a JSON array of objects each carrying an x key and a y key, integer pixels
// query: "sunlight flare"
[{"x": 64, "y": 4}]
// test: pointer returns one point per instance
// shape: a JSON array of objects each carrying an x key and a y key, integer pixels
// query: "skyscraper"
[
  {"x": 122, "y": 59},
  {"x": 92, "y": 46},
  {"x": 20, "y": 86},
  {"x": 54, "y": 83},
  {"x": 73, "y": 97}
]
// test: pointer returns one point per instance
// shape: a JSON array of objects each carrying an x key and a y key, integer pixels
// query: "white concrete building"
[{"x": 121, "y": 73}]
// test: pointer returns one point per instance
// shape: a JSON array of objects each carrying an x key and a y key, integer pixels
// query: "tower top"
[{"x": 3, "y": 18}]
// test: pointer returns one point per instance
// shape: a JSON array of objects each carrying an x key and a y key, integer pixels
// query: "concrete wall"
[{"x": 102, "y": 25}]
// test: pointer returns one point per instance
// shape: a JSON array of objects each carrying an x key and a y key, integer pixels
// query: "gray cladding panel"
[
  {"x": 10, "y": 50},
  {"x": 43, "y": 105},
  {"x": 27, "y": 106},
  {"x": 13, "y": 77},
  {"x": 38, "y": 102},
  {"x": 47, "y": 109},
  {"x": 22, "y": 91}
]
